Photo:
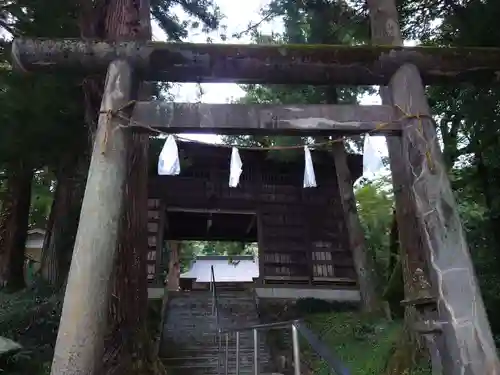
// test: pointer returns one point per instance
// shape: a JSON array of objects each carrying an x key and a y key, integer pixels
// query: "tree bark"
[
  {"x": 14, "y": 223},
  {"x": 63, "y": 222},
  {"x": 129, "y": 343}
]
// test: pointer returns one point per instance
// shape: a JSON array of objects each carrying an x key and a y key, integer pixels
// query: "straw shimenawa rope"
[{"x": 135, "y": 124}]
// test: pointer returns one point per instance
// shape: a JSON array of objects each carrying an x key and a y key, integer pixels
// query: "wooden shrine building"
[{"x": 301, "y": 232}]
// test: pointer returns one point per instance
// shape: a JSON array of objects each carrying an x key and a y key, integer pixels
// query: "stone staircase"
[{"x": 189, "y": 343}]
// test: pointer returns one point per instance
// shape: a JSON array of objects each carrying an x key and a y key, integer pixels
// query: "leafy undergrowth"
[
  {"x": 366, "y": 345},
  {"x": 30, "y": 318}
]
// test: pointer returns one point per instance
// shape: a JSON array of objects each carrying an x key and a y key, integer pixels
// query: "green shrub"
[
  {"x": 307, "y": 306},
  {"x": 31, "y": 318},
  {"x": 364, "y": 343}
]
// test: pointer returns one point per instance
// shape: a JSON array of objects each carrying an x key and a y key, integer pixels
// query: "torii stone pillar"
[
  {"x": 80, "y": 341},
  {"x": 463, "y": 333}
]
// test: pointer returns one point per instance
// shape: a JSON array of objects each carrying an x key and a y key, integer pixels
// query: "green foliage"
[
  {"x": 41, "y": 200},
  {"x": 326, "y": 22},
  {"x": 375, "y": 205},
  {"x": 43, "y": 118},
  {"x": 31, "y": 318},
  {"x": 205, "y": 11},
  {"x": 308, "y": 306},
  {"x": 366, "y": 344}
]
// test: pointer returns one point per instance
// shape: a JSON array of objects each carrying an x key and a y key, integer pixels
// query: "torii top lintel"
[{"x": 273, "y": 64}]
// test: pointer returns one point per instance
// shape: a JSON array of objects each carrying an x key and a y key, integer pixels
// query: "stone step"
[
  {"x": 205, "y": 371},
  {"x": 213, "y": 365},
  {"x": 207, "y": 298},
  {"x": 210, "y": 353},
  {"x": 190, "y": 345},
  {"x": 212, "y": 349}
]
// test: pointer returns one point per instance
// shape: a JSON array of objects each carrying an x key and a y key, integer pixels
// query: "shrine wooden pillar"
[
  {"x": 355, "y": 234},
  {"x": 174, "y": 266},
  {"x": 80, "y": 341},
  {"x": 434, "y": 245}
]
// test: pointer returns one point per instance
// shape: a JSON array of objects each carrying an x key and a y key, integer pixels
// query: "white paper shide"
[
  {"x": 372, "y": 160},
  {"x": 168, "y": 161},
  {"x": 309, "y": 175},
  {"x": 235, "y": 168}
]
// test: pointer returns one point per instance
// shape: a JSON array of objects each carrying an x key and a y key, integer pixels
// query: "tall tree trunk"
[
  {"x": 14, "y": 221},
  {"x": 128, "y": 306},
  {"x": 123, "y": 20},
  {"x": 487, "y": 177},
  {"x": 63, "y": 221}
]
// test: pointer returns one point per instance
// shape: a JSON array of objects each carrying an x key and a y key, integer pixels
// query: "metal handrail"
[
  {"x": 297, "y": 326},
  {"x": 275, "y": 325},
  {"x": 215, "y": 300},
  {"x": 215, "y": 312},
  {"x": 321, "y": 349}
]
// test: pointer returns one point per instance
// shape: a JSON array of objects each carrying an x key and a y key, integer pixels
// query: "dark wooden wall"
[
  {"x": 303, "y": 238},
  {"x": 301, "y": 232}
]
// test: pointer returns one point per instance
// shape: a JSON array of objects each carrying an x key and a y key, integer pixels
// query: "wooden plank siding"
[{"x": 301, "y": 232}]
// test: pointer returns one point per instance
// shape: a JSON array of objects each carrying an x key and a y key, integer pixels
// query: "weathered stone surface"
[
  {"x": 264, "y": 118},
  {"x": 466, "y": 331},
  {"x": 279, "y": 64},
  {"x": 80, "y": 338}
]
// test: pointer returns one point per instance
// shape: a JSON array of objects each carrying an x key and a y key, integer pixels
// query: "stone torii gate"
[{"x": 444, "y": 287}]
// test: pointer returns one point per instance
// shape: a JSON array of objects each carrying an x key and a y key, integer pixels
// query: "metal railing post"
[
  {"x": 237, "y": 352},
  {"x": 255, "y": 352},
  {"x": 296, "y": 350},
  {"x": 226, "y": 359},
  {"x": 219, "y": 344},
  {"x": 334, "y": 363}
]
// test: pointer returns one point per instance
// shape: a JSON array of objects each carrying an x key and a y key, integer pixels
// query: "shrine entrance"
[
  {"x": 210, "y": 225},
  {"x": 303, "y": 244}
]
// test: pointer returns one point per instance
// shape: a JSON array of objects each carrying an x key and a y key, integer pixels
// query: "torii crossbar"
[
  {"x": 443, "y": 275},
  {"x": 271, "y": 64}
]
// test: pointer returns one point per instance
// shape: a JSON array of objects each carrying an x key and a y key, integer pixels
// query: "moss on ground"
[{"x": 366, "y": 344}]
